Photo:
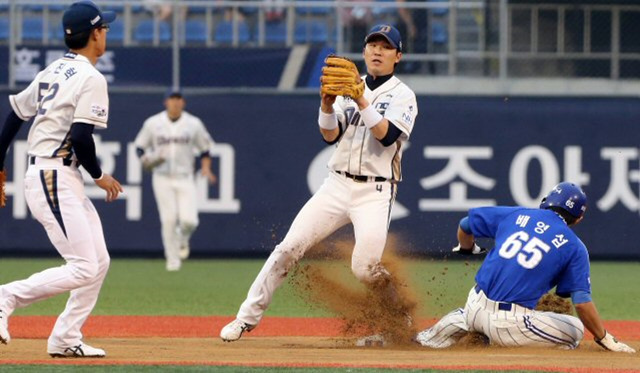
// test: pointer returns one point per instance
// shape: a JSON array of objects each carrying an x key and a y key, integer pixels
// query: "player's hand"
[
  {"x": 209, "y": 175},
  {"x": 609, "y": 342},
  {"x": 151, "y": 161},
  {"x": 110, "y": 185},
  {"x": 327, "y": 100},
  {"x": 475, "y": 250}
]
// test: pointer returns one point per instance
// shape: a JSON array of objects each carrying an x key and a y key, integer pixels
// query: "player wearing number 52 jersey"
[
  {"x": 535, "y": 251},
  {"x": 66, "y": 101},
  {"x": 369, "y": 133}
]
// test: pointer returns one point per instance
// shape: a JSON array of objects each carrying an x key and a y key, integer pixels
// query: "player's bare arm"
[
  {"x": 206, "y": 170},
  {"x": 588, "y": 314},
  {"x": 85, "y": 149},
  {"x": 466, "y": 240},
  {"x": 110, "y": 185}
]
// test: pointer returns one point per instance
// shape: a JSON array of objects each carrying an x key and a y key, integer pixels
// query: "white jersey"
[
  {"x": 176, "y": 142},
  {"x": 68, "y": 91},
  {"x": 358, "y": 152}
]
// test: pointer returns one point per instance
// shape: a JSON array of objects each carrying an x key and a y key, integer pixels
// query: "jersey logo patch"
[
  {"x": 381, "y": 107},
  {"x": 98, "y": 111}
]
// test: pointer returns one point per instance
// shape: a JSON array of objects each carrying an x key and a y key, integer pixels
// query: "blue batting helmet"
[{"x": 567, "y": 196}]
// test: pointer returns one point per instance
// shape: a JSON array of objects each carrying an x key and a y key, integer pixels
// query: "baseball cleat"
[
  {"x": 185, "y": 250},
  {"x": 5, "y": 338},
  {"x": 376, "y": 340},
  {"x": 79, "y": 351},
  {"x": 426, "y": 338},
  {"x": 173, "y": 267},
  {"x": 233, "y": 330}
]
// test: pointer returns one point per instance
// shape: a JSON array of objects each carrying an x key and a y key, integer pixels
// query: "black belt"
[
  {"x": 502, "y": 306},
  {"x": 65, "y": 162},
  {"x": 362, "y": 178}
]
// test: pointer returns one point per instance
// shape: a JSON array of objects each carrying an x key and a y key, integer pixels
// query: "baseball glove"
[
  {"x": 3, "y": 180},
  {"x": 151, "y": 160},
  {"x": 340, "y": 77}
]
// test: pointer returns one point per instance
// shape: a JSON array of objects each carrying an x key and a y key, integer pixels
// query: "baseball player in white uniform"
[
  {"x": 369, "y": 133},
  {"x": 66, "y": 101},
  {"x": 168, "y": 144}
]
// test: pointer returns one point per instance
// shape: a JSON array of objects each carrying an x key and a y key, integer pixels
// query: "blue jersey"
[{"x": 534, "y": 251}]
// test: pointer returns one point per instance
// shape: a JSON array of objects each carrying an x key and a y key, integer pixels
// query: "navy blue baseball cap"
[
  {"x": 84, "y": 15},
  {"x": 388, "y": 32},
  {"x": 174, "y": 93}
]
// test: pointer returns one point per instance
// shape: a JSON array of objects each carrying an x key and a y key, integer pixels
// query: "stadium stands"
[
  {"x": 224, "y": 32},
  {"x": 146, "y": 29},
  {"x": 201, "y": 24}
]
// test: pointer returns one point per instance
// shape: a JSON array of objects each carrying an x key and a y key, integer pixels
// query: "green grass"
[
  {"x": 214, "y": 369},
  {"x": 217, "y": 287}
]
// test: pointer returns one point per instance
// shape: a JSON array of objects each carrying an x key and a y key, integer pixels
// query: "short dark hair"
[
  {"x": 78, "y": 40},
  {"x": 570, "y": 219}
]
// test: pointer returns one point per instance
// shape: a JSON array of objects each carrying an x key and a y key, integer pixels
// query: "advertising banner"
[{"x": 270, "y": 158}]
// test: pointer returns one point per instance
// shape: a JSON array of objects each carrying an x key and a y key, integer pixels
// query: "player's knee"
[
  {"x": 286, "y": 253},
  {"x": 169, "y": 223},
  {"x": 188, "y": 227},
  {"x": 368, "y": 271},
  {"x": 578, "y": 333},
  {"x": 104, "y": 264},
  {"x": 85, "y": 271},
  {"x": 364, "y": 271}
]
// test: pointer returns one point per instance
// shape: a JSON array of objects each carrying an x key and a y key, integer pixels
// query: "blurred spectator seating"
[
  {"x": 312, "y": 31},
  {"x": 276, "y": 32},
  {"x": 4, "y": 28},
  {"x": 313, "y": 10},
  {"x": 32, "y": 28},
  {"x": 116, "y": 31},
  {"x": 224, "y": 32},
  {"x": 144, "y": 31},
  {"x": 195, "y": 31}
]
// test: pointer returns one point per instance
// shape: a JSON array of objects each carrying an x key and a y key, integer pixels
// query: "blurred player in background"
[
  {"x": 167, "y": 145},
  {"x": 66, "y": 101},
  {"x": 369, "y": 132},
  {"x": 535, "y": 251}
]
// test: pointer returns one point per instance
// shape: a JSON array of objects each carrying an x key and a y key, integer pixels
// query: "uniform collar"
[
  {"x": 373, "y": 84},
  {"x": 76, "y": 56},
  {"x": 166, "y": 115},
  {"x": 560, "y": 216}
]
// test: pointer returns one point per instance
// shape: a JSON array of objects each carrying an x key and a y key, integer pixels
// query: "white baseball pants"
[
  {"x": 55, "y": 195},
  {"x": 518, "y": 326},
  {"x": 339, "y": 200},
  {"x": 176, "y": 200}
]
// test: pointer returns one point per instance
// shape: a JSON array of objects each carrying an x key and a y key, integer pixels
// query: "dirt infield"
[{"x": 295, "y": 342}]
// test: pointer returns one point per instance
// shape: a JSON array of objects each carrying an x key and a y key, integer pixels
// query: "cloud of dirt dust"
[{"x": 385, "y": 307}]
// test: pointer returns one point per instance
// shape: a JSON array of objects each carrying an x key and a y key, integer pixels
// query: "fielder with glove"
[
  {"x": 535, "y": 251},
  {"x": 370, "y": 119}
]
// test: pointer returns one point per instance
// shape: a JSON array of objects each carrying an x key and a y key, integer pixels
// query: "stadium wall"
[{"x": 464, "y": 152}]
